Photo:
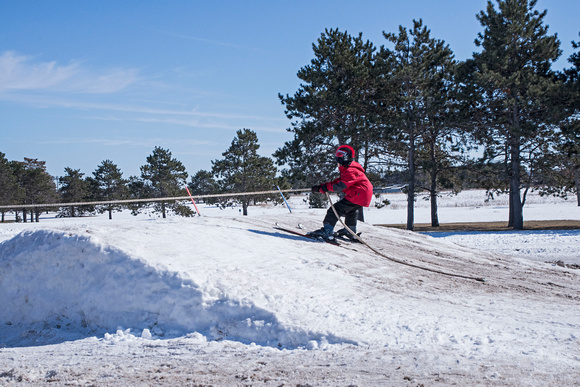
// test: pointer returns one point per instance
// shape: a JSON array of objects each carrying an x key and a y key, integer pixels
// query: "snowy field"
[
  {"x": 224, "y": 299},
  {"x": 470, "y": 206}
]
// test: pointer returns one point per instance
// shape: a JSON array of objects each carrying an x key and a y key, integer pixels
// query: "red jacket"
[{"x": 354, "y": 183}]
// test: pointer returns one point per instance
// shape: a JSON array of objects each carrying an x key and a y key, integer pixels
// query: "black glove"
[
  {"x": 315, "y": 189},
  {"x": 324, "y": 188}
]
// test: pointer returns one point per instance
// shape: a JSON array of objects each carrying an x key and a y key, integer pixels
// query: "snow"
[{"x": 224, "y": 299}]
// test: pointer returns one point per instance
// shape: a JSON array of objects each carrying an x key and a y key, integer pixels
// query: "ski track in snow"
[{"x": 228, "y": 300}]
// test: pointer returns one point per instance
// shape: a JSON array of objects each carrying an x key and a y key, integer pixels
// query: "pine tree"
[
  {"x": 74, "y": 188},
  {"x": 109, "y": 185},
  {"x": 10, "y": 191},
  {"x": 203, "y": 183},
  {"x": 572, "y": 131},
  {"x": 422, "y": 68},
  {"x": 513, "y": 76},
  {"x": 36, "y": 185},
  {"x": 335, "y": 105},
  {"x": 42, "y": 188},
  {"x": 138, "y": 189},
  {"x": 243, "y": 170},
  {"x": 566, "y": 168},
  {"x": 165, "y": 176}
]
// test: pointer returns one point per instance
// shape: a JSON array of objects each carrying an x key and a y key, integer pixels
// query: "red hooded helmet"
[{"x": 344, "y": 155}]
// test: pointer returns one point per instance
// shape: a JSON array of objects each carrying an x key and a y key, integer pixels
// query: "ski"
[
  {"x": 332, "y": 242},
  {"x": 336, "y": 236},
  {"x": 347, "y": 239}
]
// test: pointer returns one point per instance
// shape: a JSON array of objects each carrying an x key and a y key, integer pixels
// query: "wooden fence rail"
[{"x": 167, "y": 199}]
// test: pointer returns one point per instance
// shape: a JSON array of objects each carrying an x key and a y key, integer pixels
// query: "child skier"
[{"x": 357, "y": 190}]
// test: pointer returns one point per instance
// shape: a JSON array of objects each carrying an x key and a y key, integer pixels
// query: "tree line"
[
  {"x": 163, "y": 176},
  {"x": 503, "y": 120},
  {"x": 409, "y": 107}
]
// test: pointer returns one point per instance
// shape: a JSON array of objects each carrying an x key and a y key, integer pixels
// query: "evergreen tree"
[
  {"x": 513, "y": 78},
  {"x": 422, "y": 68},
  {"x": 335, "y": 105},
  {"x": 203, "y": 183},
  {"x": 562, "y": 172},
  {"x": 40, "y": 187},
  {"x": 243, "y": 170},
  {"x": 10, "y": 191},
  {"x": 109, "y": 185},
  {"x": 138, "y": 189},
  {"x": 74, "y": 189},
  {"x": 18, "y": 171},
  {"x": 571, "y": 126},
  {"x": 165, "y": 176},
  {"x": 36, "y": 185}
]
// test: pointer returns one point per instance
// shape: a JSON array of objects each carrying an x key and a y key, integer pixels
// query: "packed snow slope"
[
  {"x": 237, "y": 288},
  {"x": 241, "y": 279}
]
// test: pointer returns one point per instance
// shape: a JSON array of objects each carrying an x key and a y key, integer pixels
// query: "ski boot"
[
  {"x": 343, "y": 233},
  {"x": 325, "y": 233}
]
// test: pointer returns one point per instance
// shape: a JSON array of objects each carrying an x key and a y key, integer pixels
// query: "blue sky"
[{"x": 85, "y": 81}]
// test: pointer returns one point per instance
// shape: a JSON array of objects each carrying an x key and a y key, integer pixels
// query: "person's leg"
[
  {"x": 345, "y": 209},
  {"x": 341, "y": 209},
  {"x": 330, "y": 220},
  {"x": 351, "y": 218}
]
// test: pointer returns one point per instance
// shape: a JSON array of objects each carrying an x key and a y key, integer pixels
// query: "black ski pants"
[{"x": 343, "y": 208}]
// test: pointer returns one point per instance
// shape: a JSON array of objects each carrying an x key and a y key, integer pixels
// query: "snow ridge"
[{"x": 51, "y": 280}]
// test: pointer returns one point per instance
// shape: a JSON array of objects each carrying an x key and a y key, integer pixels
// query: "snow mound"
[{"x": 54, "y": 280}]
